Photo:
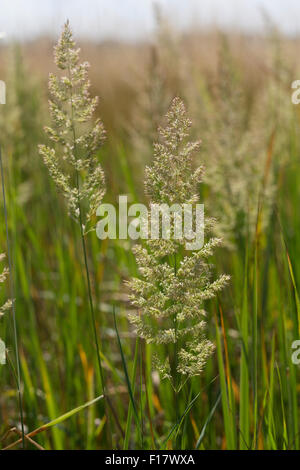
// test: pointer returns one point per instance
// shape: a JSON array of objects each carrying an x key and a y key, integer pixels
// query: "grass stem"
[{"x": 12, "y": 296}]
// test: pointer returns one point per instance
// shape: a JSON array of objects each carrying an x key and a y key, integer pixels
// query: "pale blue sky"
[{"x": 133, "y": 19}]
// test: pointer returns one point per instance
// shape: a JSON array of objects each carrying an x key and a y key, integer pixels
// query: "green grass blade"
[
  {"x": 227, "y": 413},
  {"x": 208, "y": 420},
  {"x": 255, "y": 351},
  {"x": 70, "y": 413},
  {"x": 130, "y": 408},
  {"x": 244, "y": 368},
  {"x": 177, "y": 425},
  {"x": 126, "y": 373}
]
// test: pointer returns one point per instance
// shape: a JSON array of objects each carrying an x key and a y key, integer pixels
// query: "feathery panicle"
[
  {"x": 170, "y": 295},
  {"x": 3, "y": 309},
  {"x": 236, "y": 158},
  {"x": 173, "y": 161},
  {"x": 74, "y": 168},
  {"x": 236, "y": 138}
]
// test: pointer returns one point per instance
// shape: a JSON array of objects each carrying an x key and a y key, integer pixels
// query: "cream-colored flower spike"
[
  {"x": 3, "y": 310},
  {"x": 74, "y": 167},
  {"x": 174, "y": 283}
]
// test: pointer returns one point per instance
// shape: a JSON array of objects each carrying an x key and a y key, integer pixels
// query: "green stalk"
[
  {"x": 12, "y": 296},
  {"x": 130, "y": 407},
  {"x": 87, "y": 272},
  {"x": 271, "y": 434},
  {"x": 244, "y": 369},
  {"x": 227, "y": 412},
  {"x": 176, "y": 363},
  {"x": 93, "y": 318},
  {"x": 255, "y": 346},
  {"x": 141, "y": 395},
  {"x": 130, "y": 390}
]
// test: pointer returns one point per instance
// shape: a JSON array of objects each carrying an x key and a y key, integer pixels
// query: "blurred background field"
[{"x": 236, "y": 84}]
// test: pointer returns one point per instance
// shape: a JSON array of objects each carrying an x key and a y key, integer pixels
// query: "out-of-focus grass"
[{"x": 253, "y": 324}]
